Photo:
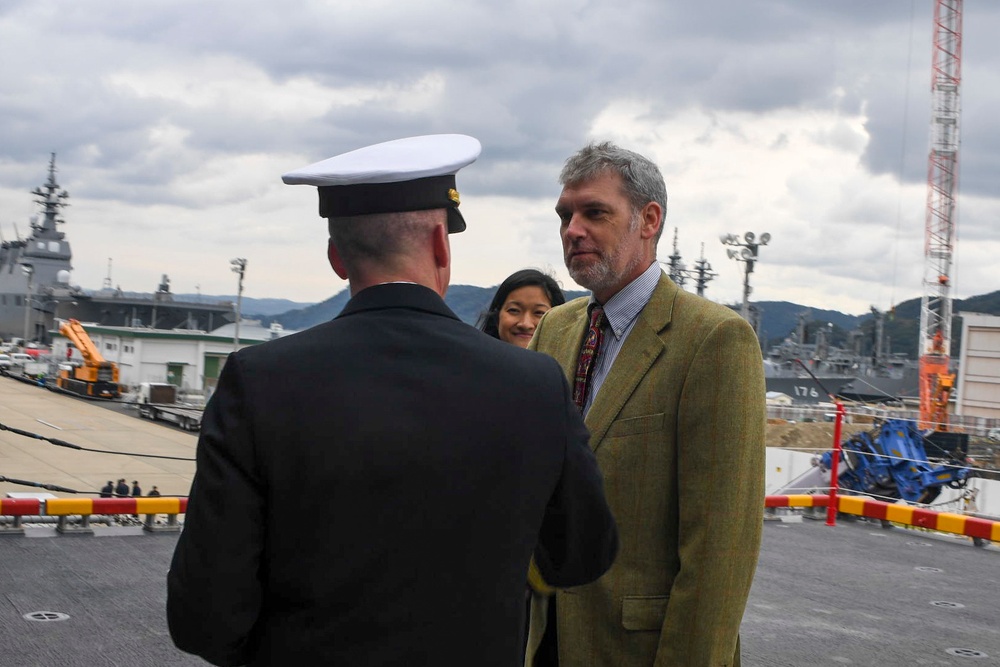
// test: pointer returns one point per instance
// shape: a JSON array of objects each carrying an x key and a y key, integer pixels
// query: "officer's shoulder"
[{"x": 311, "y": 341}]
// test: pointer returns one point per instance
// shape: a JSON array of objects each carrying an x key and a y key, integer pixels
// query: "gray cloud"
[{"x": 528, "y": 79}]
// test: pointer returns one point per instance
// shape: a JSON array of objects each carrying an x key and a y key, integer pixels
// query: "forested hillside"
[{"x": 778, "y": 318}]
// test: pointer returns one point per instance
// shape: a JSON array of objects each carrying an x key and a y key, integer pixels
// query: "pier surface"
[
  {"x": 85, "y": 423},
  {"x": 853, "y": 594}
]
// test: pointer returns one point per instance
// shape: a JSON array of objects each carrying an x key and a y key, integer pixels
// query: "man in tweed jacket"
[{"x": 676, "y": 412}]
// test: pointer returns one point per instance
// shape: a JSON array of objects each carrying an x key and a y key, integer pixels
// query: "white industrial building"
[{"x": 191, "y": 360}]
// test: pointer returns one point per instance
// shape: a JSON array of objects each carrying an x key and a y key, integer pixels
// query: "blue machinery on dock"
[{"x": 891, "y": 462}]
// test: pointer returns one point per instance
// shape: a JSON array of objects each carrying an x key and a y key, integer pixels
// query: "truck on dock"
[
  {"x": 96, "y": 377},
  {"x": 158, "y": 401}
]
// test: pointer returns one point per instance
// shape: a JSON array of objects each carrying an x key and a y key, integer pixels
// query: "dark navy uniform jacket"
[{"x": 370, "y": 492}]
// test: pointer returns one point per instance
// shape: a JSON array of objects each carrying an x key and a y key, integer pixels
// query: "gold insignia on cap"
[{"x": 453, "y": 195}]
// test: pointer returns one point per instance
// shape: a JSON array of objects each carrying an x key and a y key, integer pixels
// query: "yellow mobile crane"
[{"x": 97, "y": 376}]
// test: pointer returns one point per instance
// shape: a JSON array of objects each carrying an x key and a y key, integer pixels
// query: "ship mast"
[
  {"x": 51, "y": 199},
  {"x": 936, "y": 381}
]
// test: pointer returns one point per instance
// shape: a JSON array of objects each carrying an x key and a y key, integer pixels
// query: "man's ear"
[
  {"x": 335, "y": 261},
  {"x": 442, "y": 258},
  {"x": 650, "y": 221},
  {"x": 442, "y": 247}
]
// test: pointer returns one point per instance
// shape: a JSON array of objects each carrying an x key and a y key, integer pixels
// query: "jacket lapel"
[
  {"x": 569, "y": 328},
  {"x": 642, "y": 347}
]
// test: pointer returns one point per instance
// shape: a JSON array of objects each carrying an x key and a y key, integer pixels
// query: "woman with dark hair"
[{"x": 518, "y": 304}]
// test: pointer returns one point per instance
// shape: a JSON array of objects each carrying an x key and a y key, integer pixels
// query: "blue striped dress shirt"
[{"x": 620, "y": 313}]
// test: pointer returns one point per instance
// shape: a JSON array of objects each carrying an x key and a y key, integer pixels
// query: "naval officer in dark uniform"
[{"x": 370, "y": 491}]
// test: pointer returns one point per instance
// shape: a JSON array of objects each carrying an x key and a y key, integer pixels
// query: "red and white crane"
[{"x": 936, "y": 380}]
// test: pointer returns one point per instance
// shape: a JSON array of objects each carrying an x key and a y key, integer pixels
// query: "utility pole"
[
  {"x": 29, "y": 270},
  {"x": 239, "y": 267}
]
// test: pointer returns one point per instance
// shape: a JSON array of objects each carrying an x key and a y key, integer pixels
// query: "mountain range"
[{"x": 778, "y": 319}]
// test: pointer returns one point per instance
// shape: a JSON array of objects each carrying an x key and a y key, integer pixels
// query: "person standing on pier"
[
  {"x": 370, "y": 491},
  {"x": 672, "y": 388}
]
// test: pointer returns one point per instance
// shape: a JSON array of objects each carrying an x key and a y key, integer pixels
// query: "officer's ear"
[
  {"x": 336, "y": 263},
  {"x": 442, "y": 247}
]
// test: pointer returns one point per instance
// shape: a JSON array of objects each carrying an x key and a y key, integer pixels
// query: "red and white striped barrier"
[{"x": 946, "y": 522}]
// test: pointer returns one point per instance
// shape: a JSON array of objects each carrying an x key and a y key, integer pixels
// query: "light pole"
[
  {"x": 239, "y": 267},
  {"x": 748, "y": 255},
  {"x": 29, "y": 271}
]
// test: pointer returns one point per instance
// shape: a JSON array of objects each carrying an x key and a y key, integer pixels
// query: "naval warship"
[
  {"x": 36, "y": 290},
  {"x": 810, "y": 373}
]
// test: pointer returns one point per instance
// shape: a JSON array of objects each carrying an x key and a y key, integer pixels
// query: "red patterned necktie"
[{"x": 584, "y": 367}]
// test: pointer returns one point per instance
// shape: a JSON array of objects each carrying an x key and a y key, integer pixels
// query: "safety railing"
[
  {"x": 65, "y": 509},
  {"x": 907, "y": 515}
]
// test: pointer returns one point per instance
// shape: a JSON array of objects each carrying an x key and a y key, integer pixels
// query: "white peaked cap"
[
  {"x": 392, "y": 161},
  {"x": 414, "y": 174}
]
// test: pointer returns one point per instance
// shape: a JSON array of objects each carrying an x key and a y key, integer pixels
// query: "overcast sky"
[{"x": 808, "y": 119}]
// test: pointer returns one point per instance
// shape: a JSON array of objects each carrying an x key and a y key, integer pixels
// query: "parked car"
[
  {"x": 5, "y": 362},
  {"x": 19, "y": 359}
]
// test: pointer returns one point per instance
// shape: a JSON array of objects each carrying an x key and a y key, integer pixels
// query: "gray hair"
[
  {"x": 641, "y": 178},
  {"x": 380, "y": 238}
]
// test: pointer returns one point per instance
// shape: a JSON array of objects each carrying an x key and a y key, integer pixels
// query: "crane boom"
[
  {"x": 936, "y": 381},
  {"x": 97, "y": 377},
  {"x": 75, "y": 332}
]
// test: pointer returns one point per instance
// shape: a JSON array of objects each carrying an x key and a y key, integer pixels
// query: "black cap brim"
[{"x": 456, "y": 223}]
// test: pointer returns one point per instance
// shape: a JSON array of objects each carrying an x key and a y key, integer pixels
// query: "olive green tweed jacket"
[{"x": 678, "y": 431}]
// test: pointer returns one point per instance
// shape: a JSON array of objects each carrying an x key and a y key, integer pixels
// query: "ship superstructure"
[
  {"x": 35, "y": 287},
  {"x": 35, "y": 271}
]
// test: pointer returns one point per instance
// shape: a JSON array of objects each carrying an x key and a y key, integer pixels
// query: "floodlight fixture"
[{"x": 746, "y": 252}]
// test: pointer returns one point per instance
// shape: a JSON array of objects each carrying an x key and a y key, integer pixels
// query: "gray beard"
[{"x": 601, "y": 276}]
